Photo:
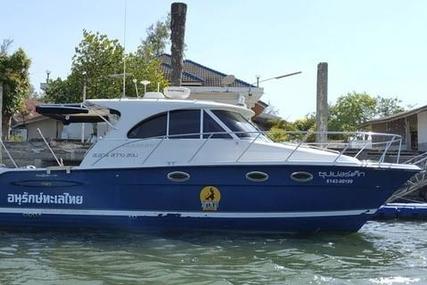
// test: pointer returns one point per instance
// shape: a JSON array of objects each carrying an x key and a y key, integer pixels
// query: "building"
[
  {"x": 411, "y": 125},
  {"x": 208, "y": 84}
]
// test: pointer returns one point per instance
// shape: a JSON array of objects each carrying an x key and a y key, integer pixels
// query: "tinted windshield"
[
  {"x": 236, "y": 123},
  {"x": 188, "y": 124}
]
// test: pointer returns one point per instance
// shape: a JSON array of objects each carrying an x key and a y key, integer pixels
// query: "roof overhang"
[{"x": 394, "y": 117}]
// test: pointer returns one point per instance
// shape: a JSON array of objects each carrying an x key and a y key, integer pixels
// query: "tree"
[
  {"x": 278, "y": 130},
  {"x": 351, "y": 110},
  {"x": 347, "y": 114},
  {"x": 14, "y": 76},
  {"x": 142, "y": 69},
  {"x": 158, "y": 37},
  {"x": 97, "y": 59},
  {"x": 4, "y": 47},
  {"x": 58, "y": 91},
  {"x": 307, "y": 123},
  {"x": 388, "y": 106}
]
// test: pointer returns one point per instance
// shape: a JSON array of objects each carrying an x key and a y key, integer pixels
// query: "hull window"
[
  {"x": 301, "y": 176},
  {"x": 257, "y": 176},
  {"x": 178, "y": 176}
]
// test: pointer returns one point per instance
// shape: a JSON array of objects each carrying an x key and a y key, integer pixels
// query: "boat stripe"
[{"x": 243, "y": 215}]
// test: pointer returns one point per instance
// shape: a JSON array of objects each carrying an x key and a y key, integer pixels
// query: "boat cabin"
[{"x": 159, "y": 132}]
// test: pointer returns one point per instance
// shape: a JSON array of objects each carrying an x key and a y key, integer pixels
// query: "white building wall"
[
  {"x": 74, "y": 131},
  {"x": 49, "y": 128},
  {"x": 422, "y": 131}
]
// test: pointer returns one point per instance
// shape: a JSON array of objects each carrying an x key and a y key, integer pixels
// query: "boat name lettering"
[
  {"x": 341, "y": 174},
  {"x": 115, "y": 155},
  {"x": 41, "y": 198},
  {"x": 339, "y": 181}
]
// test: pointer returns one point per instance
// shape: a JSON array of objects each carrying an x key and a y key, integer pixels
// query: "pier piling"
[
  {"x": 322, "y": 102},
  {"x": 178, "y": 16}
]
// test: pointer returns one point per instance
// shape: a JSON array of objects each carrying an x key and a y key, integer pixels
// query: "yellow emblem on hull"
[{"x": 210, "y": 197}]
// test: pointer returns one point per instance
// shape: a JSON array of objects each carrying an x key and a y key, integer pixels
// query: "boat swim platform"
[{"x": 402, "y": 211}]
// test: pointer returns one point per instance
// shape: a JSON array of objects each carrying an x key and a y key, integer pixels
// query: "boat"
[{"x": 168, "y": 164}]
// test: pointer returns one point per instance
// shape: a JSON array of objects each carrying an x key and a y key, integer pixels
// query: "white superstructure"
[{"x": 162, "y": 132}]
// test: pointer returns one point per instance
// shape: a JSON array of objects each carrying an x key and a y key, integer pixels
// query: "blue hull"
[{"x": 214, "y": 198}]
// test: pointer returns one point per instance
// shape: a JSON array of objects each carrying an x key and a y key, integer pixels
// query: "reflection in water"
[{"x": 381, "y": 253}]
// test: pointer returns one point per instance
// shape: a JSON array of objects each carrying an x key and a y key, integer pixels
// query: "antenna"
[{"x": 124, "y": 53}]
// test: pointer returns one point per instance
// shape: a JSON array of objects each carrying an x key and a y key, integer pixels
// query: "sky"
[{"x": 378, "y": 47}]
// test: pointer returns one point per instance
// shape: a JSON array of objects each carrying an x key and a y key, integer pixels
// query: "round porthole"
[
  {"x": 302, "y": 176},
  {"x": 178, "y": 176},
  {"x": 257, "y": 176}
]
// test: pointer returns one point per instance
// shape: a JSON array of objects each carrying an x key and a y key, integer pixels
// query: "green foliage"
[
  {"x": 14, "y": 75},
  {"x": 142, "y": 69},
  {"x": 156, "y": 41},
  {"x": 347, "y": 114},
  {"x": 97, "y": 58},
  {"x": 278, "y": 129},
  {"x": 58, "y": 91},
  {"x": 351, "y": 110},
  {"x": 307, "y": 123},
  {"x": 388, "y": 106}
]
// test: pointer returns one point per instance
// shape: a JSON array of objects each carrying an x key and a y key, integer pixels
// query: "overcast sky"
[{"x": 375, "y": 46}]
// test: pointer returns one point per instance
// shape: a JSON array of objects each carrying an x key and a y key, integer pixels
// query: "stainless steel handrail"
[
  {"x": 8, "y": 153},
  {"x": 390, "y": 139}
]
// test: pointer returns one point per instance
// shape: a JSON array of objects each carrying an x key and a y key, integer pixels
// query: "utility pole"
[
  {"x": 322, "y": 102},
  {"x": 1, "y": 117},
  {"x": 84, "y": 99},
  {"x": 178, "y": 16}
]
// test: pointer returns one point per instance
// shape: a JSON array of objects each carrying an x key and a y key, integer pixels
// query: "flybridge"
[
  {"x": 80, "y": 113},
  {"x": 74, "y": 113}
]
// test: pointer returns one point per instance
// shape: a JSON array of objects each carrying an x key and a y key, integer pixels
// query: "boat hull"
[{"x": 214, "y": 198}]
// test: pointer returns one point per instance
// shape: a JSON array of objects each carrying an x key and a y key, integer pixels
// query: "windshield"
[{"x": 237, "y": 123}]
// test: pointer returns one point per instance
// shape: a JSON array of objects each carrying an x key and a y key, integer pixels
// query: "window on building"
[
  {"x": 154, "y": 126},
  {"x": 236, "y": 123},
  {"x": 184, "y": 122}
]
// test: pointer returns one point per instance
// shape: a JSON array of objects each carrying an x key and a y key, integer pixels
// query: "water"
[{"x": 381, "y": 253}]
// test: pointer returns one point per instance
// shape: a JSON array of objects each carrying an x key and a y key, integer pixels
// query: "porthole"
[
  {"x": 302, "y": 176},
  {"x": 178, "y": 176},
  {"x": 257, "y": 176}
]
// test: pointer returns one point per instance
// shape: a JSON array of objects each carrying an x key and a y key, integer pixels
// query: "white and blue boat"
[{"x": 186, "y": 165}]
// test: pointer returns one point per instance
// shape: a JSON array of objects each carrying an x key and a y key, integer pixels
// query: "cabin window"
[
  {"x": 154, "y": 126},
  {"x": 236, "y": 123},
  {"x": 212, "y": 129},
  {"x": 189, "y": 124},
  {"x": 185, "y": 123}
]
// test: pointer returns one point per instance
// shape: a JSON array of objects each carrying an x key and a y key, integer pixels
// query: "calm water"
[{"x": 381, "y": 253}]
